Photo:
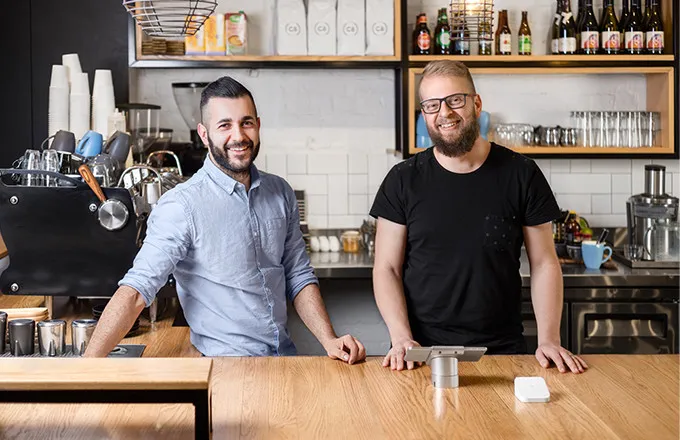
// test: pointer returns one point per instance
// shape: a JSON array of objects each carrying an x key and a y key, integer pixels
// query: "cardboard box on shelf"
[
  {"x": 237, "y": 33},
  {"x": 215, "y": 43}
]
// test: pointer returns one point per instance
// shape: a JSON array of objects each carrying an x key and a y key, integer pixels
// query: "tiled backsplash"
[{"x": 327, "y": 132}]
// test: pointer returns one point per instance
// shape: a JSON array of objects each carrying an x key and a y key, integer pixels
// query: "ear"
[
  {"x": 258, "y": 123},
  {"x": 203, "y": 133},
  {"x": 478, "y": 105}
]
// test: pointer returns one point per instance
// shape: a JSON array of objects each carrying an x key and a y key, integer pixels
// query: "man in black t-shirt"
[{"x": 451, "y": 223}]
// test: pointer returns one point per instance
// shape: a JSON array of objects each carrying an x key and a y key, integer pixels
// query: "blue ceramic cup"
[{"x": 593, "y": 254}]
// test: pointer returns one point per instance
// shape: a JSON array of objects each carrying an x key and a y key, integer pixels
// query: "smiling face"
[
  {"x": 231, "y": 130},
  {"x": 453, "y": 131}
]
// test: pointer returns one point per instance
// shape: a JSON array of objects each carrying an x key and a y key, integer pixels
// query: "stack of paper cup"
[
  {"x": 72, "y": 63},
  {"x": 79, "y": 120},
  {"x": 103, "y": 101},
  {"x": 58, "y": 111}
]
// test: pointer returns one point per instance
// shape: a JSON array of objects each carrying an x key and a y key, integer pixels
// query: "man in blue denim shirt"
[{"x": 231, "y": 237}]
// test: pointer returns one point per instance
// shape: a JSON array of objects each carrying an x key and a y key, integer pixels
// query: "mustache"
[
  {"x": 241, "y": 144},
  {"x": 442, "y": 121}
]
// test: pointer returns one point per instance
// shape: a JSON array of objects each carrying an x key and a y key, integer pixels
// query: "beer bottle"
[
  {"x": 572, "y": 230},
  {"x": 461, "y": 43},
  {"x": 485, "y": 38},
  {"x": 421, "y": 36},
  {"x": 524, "y": 36},
  {"x": 442, "y": 34},
  {"x": 610, "y": 37},
  {"x": 503, "y": 34}
]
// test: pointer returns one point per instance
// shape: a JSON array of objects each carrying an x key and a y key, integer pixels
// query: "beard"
[
  {"x": 234, "y": 167},
  {"x": 463, "y": 141}
]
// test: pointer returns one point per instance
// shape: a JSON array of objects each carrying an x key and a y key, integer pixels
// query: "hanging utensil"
[{"x": 113, "y": 214}]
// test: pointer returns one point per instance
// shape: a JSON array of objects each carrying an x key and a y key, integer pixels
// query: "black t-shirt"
[{"x": 461, "y": 267}]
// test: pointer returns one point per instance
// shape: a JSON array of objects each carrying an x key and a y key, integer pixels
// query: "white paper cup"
[
  {"x": 79, "y": 111},
  {"x": 80, "y": 84},
  {"x": 72, "y": 63},
  {"x": 59, "y": 77},
  {"x": 58, "y": 110}
]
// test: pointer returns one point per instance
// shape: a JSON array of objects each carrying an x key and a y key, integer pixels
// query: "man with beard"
[
  {"x": 451, "y": 222},
  {"x": 231, "y": 237}
]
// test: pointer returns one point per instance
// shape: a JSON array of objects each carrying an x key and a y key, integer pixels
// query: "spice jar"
[{"x": 351, "y": 241}]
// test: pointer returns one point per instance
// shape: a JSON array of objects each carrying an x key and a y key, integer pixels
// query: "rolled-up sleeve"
[
  {"x": 167, "y": 241},
  {"x": 299, "y": 271}
]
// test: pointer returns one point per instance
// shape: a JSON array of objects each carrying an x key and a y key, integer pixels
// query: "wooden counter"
[{"x": 626, "y": 397}]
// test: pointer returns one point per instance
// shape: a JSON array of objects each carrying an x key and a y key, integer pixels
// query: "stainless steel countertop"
[{"x": 360, "y": 265}]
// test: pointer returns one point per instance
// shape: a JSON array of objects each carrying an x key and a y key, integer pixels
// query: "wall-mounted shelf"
[
  {"x": 661, "y": 74},
  {"x": 661, "y": 98}
]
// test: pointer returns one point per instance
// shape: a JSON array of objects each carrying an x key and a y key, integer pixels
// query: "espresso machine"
[{"x": 653, "y": 218}]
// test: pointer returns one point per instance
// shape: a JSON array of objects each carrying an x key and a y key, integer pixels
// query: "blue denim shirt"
[{"x": 237, "y": 257}]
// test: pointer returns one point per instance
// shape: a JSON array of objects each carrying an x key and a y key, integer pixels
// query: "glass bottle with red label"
[
  {"x": 589, "y": 31},
  {"x": 654, "y": 31},
  {"x": 633, "y": 35},
  {"x": 610, "y": 35},
  {"x": 503, "y": 34},
  {"x": 421, "y": 36}
]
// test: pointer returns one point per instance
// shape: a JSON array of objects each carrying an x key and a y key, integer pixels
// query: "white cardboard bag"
[
  {"x": 379, "y": 27},
  {"x": 351, "y": 27},
  {"x": 321, "y": 26},
  {"x": 291, "y": 27}
]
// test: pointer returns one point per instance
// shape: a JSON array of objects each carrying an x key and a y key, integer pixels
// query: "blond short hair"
[{"x": 448, "y": 68}]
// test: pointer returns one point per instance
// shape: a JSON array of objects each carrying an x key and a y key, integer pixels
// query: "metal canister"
[
  {"x": 81, "y": 332},
  {"x": 22, "y": 337},
  {"x": 52, "y": 337}
]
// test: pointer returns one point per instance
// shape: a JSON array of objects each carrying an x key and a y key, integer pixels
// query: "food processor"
[{"x": 188, "y": 100}]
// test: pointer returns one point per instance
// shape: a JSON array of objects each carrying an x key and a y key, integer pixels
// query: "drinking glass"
[
  {"x": 51, "y": 162},
  {"x": 32, "y": 161}
]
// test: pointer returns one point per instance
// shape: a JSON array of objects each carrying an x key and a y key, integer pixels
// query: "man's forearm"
[
  {"x": 117, "y": 319},
  {"x": 311, "y": 309},
  {"x": 547, "y": 297},
  {"x": 389, "y": 296}
]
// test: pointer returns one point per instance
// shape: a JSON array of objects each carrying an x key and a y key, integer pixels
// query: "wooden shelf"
[
  {"x": 599, "y": 59},
  {"x": 269, "y": 58},
  {"x": 581, "y": 151}
]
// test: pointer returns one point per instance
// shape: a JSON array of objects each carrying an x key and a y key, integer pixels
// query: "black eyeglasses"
[{"x": 457, "y": 100}]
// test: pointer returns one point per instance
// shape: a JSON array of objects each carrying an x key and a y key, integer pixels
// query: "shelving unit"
[{"x": 661, "y": 72}]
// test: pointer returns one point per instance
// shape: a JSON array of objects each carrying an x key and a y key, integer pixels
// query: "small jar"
[{"x": 351, "y": 241}]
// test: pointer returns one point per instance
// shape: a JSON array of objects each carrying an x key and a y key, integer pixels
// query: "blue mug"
[
  {"x": 90, "y": 145},
  {"x": 593, "y": 254}
]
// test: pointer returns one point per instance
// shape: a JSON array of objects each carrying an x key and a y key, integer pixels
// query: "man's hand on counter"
[
  {"x": 346, "y": 348},
  {"x": 395, "y": 357},
  {"x": 563, "y": 358}
]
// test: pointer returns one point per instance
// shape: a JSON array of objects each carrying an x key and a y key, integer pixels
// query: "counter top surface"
[
  {"x": 360, "y": 265},
  {"x": 619, "y": 397}
]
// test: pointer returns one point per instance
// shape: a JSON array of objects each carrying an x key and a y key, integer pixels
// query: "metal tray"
[
  {"x": 641, "y": 264},
  {"x": 121, "y": 351}
]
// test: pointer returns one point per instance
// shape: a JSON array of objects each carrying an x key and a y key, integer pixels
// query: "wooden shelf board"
[
  {"x": 542, "y": 58},
  {"x": 267, "y": 58},
  {"x": 583, "y": 150}
]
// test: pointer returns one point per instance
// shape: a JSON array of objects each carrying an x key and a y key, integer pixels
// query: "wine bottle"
[
  {"x": 610, "y": 36},
  {"x": 633, "y": 36},
  {"x": 654, "y": 31},
  {"x": 555, "y": 40},
  {"x": 589, "y": 31},
  {"x": 567, "y": 32}
]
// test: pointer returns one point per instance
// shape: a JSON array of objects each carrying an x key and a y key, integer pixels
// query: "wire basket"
[
  {"x": 170, "y": 18},
  {"x": 471, "y": 20}
]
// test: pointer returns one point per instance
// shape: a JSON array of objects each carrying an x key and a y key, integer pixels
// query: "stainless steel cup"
[
  {"x": 3, "y": 331},
  {"x": 22, "y": 337},
  {"x": 52, "y": 337},
  {"x": 81, "y": 332}
]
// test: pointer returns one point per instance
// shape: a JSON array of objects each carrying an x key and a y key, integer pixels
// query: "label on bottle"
[
  {"x": 634, "y": 40},
  {"x": 554, "y": 45},
  {"x": 461, "y": 46},
  {"x": 611, "y": 40},
  {"x": 655, "y": 40},
  {"x": 505, "y": 43},
  {"x": 444, "y": 39},
  {"x": 590, "y": 40},
  {"x": 424, "y": 41},
  {"x": 566, "y": 16},
  {"x": 567, "y": 45},
  {"x": 524, "y": 44}
]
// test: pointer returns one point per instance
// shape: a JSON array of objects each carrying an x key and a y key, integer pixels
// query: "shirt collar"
[{"x": 226, "y": 181}]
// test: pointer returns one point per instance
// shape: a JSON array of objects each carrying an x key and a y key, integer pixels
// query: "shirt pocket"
[
  {"x": 500, "y": 232},
  {"x": 274, "y": 240}
]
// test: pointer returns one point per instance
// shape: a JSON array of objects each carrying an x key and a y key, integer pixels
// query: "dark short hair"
[{"x": 224, "y": 87}]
